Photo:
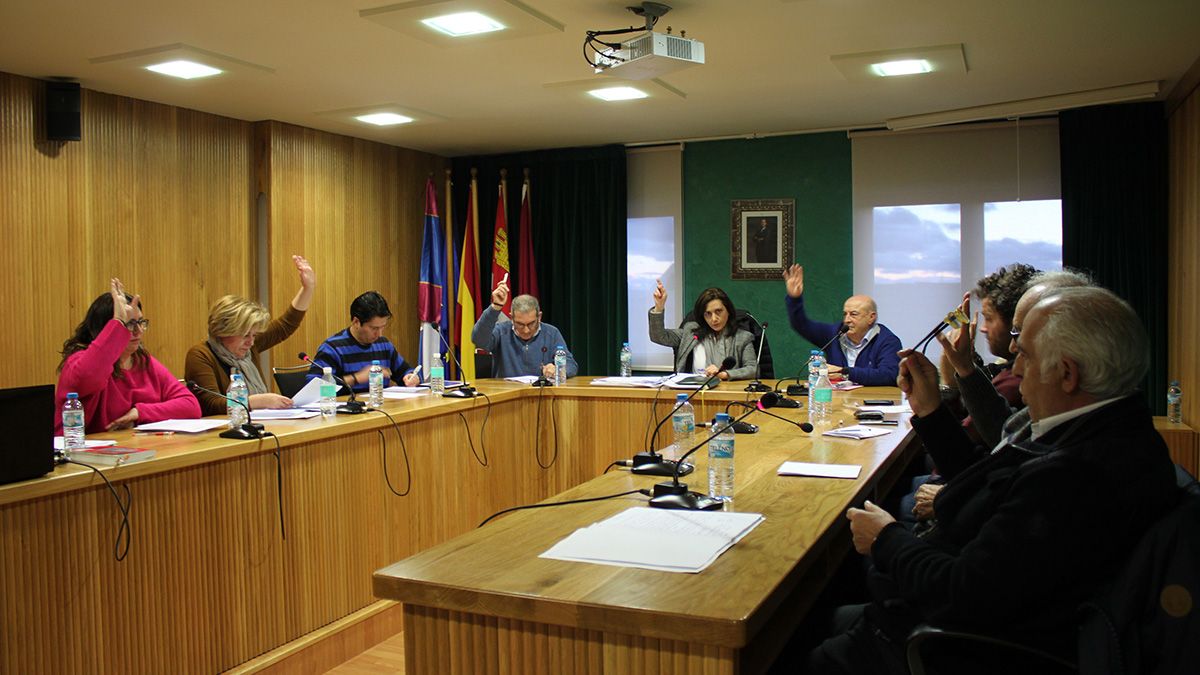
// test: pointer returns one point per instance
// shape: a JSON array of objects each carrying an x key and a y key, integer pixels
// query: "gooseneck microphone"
[
  {"x": 799, "y": 389},
  {"x": 771, "y": 400},
  {"x": 650, "y": 463},
  {"x": 464, "y": 391},
  {"x": 542, "y": 381},
  {"x": 757, "y": 385},
  {"x": 352, "y": 406},
  {"x": 675, "y": 495},
  {"x": 248, "y": 431}
]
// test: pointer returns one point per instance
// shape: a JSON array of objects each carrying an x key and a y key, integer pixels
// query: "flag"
[
  {"x": 451, "y": 276},
  {"x": 432, "y": 306},
  {"x": 500, "y": 266},
  {"x": 527, "y": 282},
  {"x": 468, "y": 285}
]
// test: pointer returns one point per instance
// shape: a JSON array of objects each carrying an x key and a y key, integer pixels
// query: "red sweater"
[{"x": 153, "y": 390}]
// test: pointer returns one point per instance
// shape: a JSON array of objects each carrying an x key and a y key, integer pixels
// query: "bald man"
[{"x": 866, "y": 353}]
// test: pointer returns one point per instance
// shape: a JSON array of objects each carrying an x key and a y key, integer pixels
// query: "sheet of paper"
[
  {"x": 59, "y": 443},
  {"x": 398, "y": 393},
  {"x": 859, "y": 432},
  {"x": 523, "y": 379},
  {"x": 637, "y": 381},
  {"x": 285, "y": 414},
  {"x": 184, "y": 426},
  {"x": 309, "y": 394},
  {"x": 819, "y": 470},
  {"x": 656, "y": 539}
]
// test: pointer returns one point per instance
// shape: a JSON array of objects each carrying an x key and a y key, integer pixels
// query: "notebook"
[{"x": 27, "y": 420}]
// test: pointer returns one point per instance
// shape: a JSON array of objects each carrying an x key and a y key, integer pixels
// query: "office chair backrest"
[
  {"x": 746, "y": 321},
  {"x": 483, "y": 365},
  {"x": 290, "y": 379}
]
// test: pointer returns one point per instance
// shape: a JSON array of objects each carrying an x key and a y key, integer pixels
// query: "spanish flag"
[{"x": 468, "y": 284}]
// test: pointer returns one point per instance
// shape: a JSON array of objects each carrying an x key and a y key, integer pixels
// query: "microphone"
[
  {"x": 650, "y": 463},
  {"x": 769, "y": 400},
  {"x": 466, "y": 390},
  {"x": 675, "y": 495},
  {"x": 248, "y": 431},
  {"x": 757, "y": 385},
  {"x": 542, "y": 381},
  {"x": 352, "y": 406}
]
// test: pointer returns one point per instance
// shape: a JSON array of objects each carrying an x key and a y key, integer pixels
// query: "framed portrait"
[{"x": 763, "y": 237}]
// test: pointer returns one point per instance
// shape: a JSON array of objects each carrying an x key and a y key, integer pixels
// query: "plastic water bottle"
[
  {"x": 683, "y": 421},
  {"x": 72, "y": 416},
  {"x": 238, "y": 391},
  {"x": 821, "y": 396},
  {"x": 626, "y": 361},
  {"x": 720, "y": 459},
  {"x": 328, "y": 393},
  {"x": 560, "y": 365},
  {"x": 816, "y": 361},
  {"x": 375, "y": 389},
  {"x": 437, "y": 375},
  {"x": 1174, "y": 403}
]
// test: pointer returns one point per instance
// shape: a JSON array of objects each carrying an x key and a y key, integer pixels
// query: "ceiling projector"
[{"x": 646, "y": 55}]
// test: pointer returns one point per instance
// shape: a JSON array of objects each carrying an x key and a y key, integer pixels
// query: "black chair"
[
  {"x": 746, "y": 321},
  {"x": 290, "y": 379},
  {"x": 1145, "y": 621}
]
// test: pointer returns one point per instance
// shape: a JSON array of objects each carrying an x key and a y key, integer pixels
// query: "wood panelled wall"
[
  {"x": 167, "y": 199},
  {"x": 355, "y": 209},
  {"x": 1183, "y": 286}
]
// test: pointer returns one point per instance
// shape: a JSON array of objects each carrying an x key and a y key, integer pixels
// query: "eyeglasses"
[
  {"x": 137, "y": 324},
  {"x": 525, "y": 326}
]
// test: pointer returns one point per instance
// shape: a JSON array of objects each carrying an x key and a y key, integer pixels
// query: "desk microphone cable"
[
  {"x": 497, "y": 514},
  {"x": 487, "y": 413},
  {"x": 537, "y": 446},
  {"x": 125, "y": 531},
  {"x": 404, "y": 450}
]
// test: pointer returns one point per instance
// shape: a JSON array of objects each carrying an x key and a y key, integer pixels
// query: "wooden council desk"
[
  {"x": 209, "y": 584},
  {"x": 484, "y": 602}
]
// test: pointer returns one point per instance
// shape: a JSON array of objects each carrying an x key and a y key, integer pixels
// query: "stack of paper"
[
  {"x": 639, "y": 381},
  {"x": 890, "y": 412},
  {"x": 857, "y": 432},
  {"x": 819, "y": 470},
  {"x": 404, "y": 392},
  {"x": 656, "y": 539},
  {"x": 283, "y": 414},
  {"x": 184, "y": 426}
]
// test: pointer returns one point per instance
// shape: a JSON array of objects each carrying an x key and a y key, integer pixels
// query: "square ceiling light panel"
[
  {"x": 901, "y": 63},
  {"x": 457, "y": 22},
  {"x": 183, "y": 63}
]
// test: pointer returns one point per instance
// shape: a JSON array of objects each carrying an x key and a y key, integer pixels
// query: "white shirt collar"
[{"x": 1043, "y": 427}]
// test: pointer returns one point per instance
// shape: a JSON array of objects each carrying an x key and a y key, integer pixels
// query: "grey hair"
[
  {"x": 525, "y": 303},
  {"x": 1064, "y": 278},
  {"x": 1100, "y": 332}
]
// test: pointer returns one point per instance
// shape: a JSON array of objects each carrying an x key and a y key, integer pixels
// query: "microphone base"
[
  {"x": 352, "y": 408},
  {"x": 246, "y": 432},
  {"x": 757, "y": 386},
  {"x": 786, "y": 403},
  {"x": 797, "y": 390},
  {"x": 672, "y": 495},
  {"x": 650, "y": 464},
  {"x": 541, "y": 382},
  {"x": 745, "y": 428}
]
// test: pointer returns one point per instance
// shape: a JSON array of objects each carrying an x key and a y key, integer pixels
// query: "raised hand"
[
  {"x": 959, "y": 345},
  {"x": 794, "y": 278},
  {"x": 500, "y": 295},
  {"x": 308, "y": 278},
  {"x": 122, "y": 309},
  {"x": 660, "y": 296}
]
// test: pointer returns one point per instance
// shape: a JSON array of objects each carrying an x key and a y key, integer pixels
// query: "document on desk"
[
  {"x": 404, "y": 392},
  {"x": 283, "y": 414},
  {"x": 523, "y": 379},
  {"x": 858, "y": 432},
  {"x": 309, "y": 394},
  {"x": 184, "y": 426},
  {"x": 656, "y": 539},
  {"x": 819, "y": 470},
  {"x": 646, "y": 381}
]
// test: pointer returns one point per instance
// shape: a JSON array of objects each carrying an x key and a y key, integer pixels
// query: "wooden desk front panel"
[{"x": 209, "y": 583}]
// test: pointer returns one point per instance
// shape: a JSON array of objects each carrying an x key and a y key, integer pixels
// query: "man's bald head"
[{"x": 858, "y": 314}]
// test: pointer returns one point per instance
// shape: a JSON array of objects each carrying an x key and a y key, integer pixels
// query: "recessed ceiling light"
[
  {"x": 463, "y": 23},
  {"x": 186, "y": 70},
  {"x": 386, "y": 119},
  {"x": 618, "y": 93},
  {"x": 902, "y": 67}
]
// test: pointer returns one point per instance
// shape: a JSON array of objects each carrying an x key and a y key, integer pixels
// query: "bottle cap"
[
  {"x": 327, "y": 370},
  {"x": 374, "y": 362},
  {"x": 680, "y": 398},
  {"x": 72, "y": 395},
  {"x": 722, "y": 418},
  {"x": 1174, "y": 383}
]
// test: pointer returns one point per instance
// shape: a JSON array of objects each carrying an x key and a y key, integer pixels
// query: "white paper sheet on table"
[
  {"x": 819, "y": 470},
  {"x": 647, "y": 381},
  {"x": 283, "y": 414},
  {"x": 656, "y": 539},
  {"x": 404, "y": 392},
  {"x": 859, "y": 432},
  {"x": 523, "y": 379},
  {"x": 59, "y": 443},
  {"x": 309, "y": 394},
  {"x": 184, "y": 426}
]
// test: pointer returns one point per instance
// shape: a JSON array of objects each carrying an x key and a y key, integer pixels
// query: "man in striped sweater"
[{"x": 350, "y": 352}]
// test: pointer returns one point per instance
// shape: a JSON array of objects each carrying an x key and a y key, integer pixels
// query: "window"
[{"x": 655, "y": 242}]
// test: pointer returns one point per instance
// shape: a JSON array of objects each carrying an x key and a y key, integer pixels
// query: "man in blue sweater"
[
  {"x": 865, "y": 353},
  {"x": 350, "y": 352},
  {"x": 524, "y": 345}
]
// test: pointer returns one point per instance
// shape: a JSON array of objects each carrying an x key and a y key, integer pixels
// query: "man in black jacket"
[{"x": 1027, "y": 532}]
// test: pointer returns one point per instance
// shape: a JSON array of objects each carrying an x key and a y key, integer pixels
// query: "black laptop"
[{"x": 27, "y": 446}]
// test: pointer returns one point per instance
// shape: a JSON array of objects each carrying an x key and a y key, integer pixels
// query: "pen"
[{"x": 154, "y": 433}]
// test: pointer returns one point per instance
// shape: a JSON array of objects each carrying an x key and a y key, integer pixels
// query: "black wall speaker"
[{"x": 62, "y": 111}]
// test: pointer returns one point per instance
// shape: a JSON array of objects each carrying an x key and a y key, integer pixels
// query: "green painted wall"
[{"x": 814, "y": 170}]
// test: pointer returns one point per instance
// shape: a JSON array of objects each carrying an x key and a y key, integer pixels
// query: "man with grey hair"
[
  {"x": 1027, "y": 532},
  {"x": 523, "y": 345}
]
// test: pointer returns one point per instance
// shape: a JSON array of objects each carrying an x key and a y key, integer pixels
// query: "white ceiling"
[{"x": 768, "y": 64}]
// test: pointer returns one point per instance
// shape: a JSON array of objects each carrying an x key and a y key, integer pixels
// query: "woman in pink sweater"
[{"x": 117, "y": 380}]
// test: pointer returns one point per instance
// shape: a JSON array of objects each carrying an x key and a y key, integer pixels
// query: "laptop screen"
[{"x": 27, "y": 447}]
